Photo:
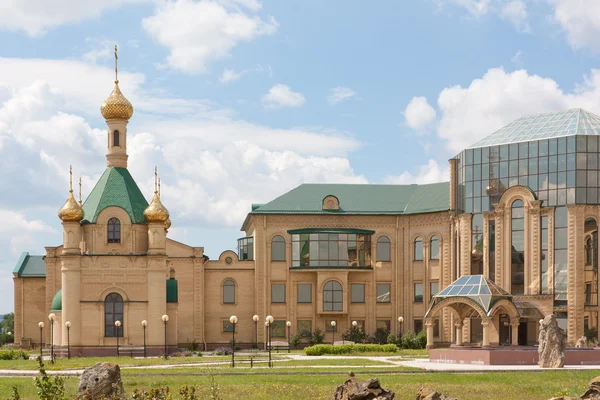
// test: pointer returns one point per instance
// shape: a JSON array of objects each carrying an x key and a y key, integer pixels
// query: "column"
[
  {"x": 429, "y": 327},
  {"x": 486, "y": 334},
  {"x": 514, "y": 326},
  {"x": 459, "y": 333}
]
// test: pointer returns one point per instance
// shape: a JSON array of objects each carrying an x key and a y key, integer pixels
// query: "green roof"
[
  {"x": 115, "y": 188},
  {"x": 30, "y": 266},
  {"x": 57, "y": 301},
  {"x": 361, "y": 199},
  {"x": 172, "y": 292}
]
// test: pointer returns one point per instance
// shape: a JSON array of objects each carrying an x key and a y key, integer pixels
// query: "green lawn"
[{"x": 492, "y": 386}]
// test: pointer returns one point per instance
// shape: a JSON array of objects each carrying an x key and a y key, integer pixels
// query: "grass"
[{"x": 476, "y": 386}]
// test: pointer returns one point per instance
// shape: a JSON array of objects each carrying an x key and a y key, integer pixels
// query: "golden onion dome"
[
  {"x": 167, "y": 224},
  {"x": 71, "y": 211},
  {"x": 116, "y": 106},
  {"x": 156, "y": 212}
]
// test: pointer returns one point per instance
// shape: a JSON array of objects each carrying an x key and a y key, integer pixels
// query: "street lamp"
[
  {"x": 255, "y": 318},
  {"x": 144, "y": 325},
  {"x": 289, "y": 326},
  {"x": 117, "y": 325},
  {"x": 41, "y": 325},
  {"x": 68, "y": 325},
  {"x": 234, "y": 320},
  {"x": 52, "y": 318},
  {"x": 268, "y": 321},
  {"x": 400, "y": 321},
  {"x": 333, "y": 324},
  {"x": 165, "y": 319}
]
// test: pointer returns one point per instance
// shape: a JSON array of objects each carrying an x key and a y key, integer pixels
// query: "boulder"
[
  {"x": 352, "y": 389},
  {"x": 428, "y": 394},
  {"x": 551, "y": 348},
  {"x": 592, "y": 392},
  {"x": 582, "y": 342},
  {"x": 102, "y": 381}
]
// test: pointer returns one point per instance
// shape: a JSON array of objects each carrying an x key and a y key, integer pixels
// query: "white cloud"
[
  {"x": 513, "y": 11},
  {"x": 100, "y": 50},
  {"x": 432, "y": 172},
  {"x": 18, "y": 232},
  {"x": 581, "y": 21},
  {"x": 517, "y": 59},
  {"x": 340, "y": 94},
  {"x": 419, "y": 114},
  {"x": 229, "y": 75},
  {"x": 281, "y": 95},
  {"x": 197, "y": 33},
  {"x": 37, "y": 16}
]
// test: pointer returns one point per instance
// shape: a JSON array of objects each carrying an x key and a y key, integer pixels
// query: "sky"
[{"x": 239, "y": 101}]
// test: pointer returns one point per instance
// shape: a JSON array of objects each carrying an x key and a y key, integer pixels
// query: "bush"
[
  {"x": 317, "y": 337},
  {"x": 321, "y": 349},
  {"x": 185, "y": 353},
  {"x": 355, "y": 334},
  {"x": 394, "y": 339},
  {"x": 411, "y": 341},
  {"x": 193, "y": 345},
  {"x": 381, "y": 336},
  {"x": 295, "y": 340},
  {"x": 13, "y": 354},
  {"x": 222, "y": 351}
]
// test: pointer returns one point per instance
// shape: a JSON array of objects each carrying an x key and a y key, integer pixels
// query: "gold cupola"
[
  {"x": 71, "y": 211},
  {"x": 116, "y": 106},
  {"x": 156, "y": 212}
]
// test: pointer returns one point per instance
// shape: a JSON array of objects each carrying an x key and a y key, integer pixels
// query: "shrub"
[
  {"x": 381, "y": 335},
  {"x": 317, "y": 337},
  {"x": 394, "y": 339},
  {"x": 412, "y": 341},
  {"x": 193, "y": 345},
  {"x": 355, "y": 334},
  {"x": 183, "y": 353},
  {"x": 295, "y": 340},
  {"x": 321, "y": 349},
  {"x": 222, "y": 351},
  {"x": 49, "y": 388},
  {"x": 13, "y": 354}
]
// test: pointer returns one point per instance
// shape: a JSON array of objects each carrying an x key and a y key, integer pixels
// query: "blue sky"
[{"x": 238, "y": 101}]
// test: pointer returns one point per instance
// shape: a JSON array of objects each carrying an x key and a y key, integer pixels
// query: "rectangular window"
[
  {"x": 227, "y": 326},
  {"x": 383, "y": 324},
  {"x": 418, "y": 325},
  {"x": 358, "y": 293},
  {"x": 383, "y": 292},
  {"x": 418, "y": 249},
  {"x": 434, "y": 288},
  {"x": 304, "y": 293},
  {"x": 436, "y": 328},
  {"x": 329, "y": 327},
  {"x": 305, "y": 327},
  {"x": 331, "y": 250},
  {"x": 544, "y": 256},
  {"x": 418, "y": 292},
  {"x": 278, "y": 329},
  {"x": 246, "y": 249},
  {"x": 278, "y": 293}
]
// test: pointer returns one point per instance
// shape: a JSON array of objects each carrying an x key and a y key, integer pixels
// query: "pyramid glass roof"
[
  {"x": 574, "y": 121},
  {"x": 475, "y": 287}
]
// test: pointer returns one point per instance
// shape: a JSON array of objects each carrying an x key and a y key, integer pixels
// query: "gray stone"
[
  {"x": 551, "y": 348},
  {"x": 352, "y": 389},
  {"x": 582, "y": 342},
  {"x": 428, "y": 394},
  {"x": 592, "y": 392},
  {"x": 102, "y": 381}
]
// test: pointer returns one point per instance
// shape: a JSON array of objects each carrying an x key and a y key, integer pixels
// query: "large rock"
[
  {"x": 592, "y": 392},
  {"x": 102, "y": 381},
  {"x": 428, "y": 394},
  {"x": 551, "y": 348},
  {"x": 352, "y": 389},
  {"x": 582, "y": 342}
]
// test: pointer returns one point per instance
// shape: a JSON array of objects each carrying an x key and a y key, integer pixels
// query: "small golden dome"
[
  {"x": 167, "y": 224},
  {"x": 71, "y": 211},
  {"x": 116, "y": 106},
  {"x": 476, "y": 254},
  {"x": 156, "y": 212}
]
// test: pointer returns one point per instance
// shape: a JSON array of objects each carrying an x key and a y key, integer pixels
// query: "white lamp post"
[
  {"x": 289, "y": 326},
  {"x": 165, "y": 319},
  {"x": 117, "y": 326},
  {"x": 268, "y": 321},
  {"x": 144, "y": 325},
  {"x": 52, "y": 318},
  {"x": 41, "y": 326},
  {"x": 233, "y": 320},
  {"x": 333, "y": 324},
  {"x": 68, "y": 325},
  {"x": 255, "y": 318}
]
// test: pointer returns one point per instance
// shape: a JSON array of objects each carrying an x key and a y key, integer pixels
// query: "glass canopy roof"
[
  {"x": 574, "y": 121},
  {"x": 475, "y": 287}
]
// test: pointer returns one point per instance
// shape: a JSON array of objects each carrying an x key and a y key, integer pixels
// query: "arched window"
[
  {"x": 418, "y": 249},
  {"x": 383, "y": 248},
  {"x": 589, "y": 251},
  {"x": 113, "y": 312},
  {"x": 114, "y": 231},
  {"x": 517, "y": 272},
  {"x": 228, "y": 292},
  {"x": 278, "y": 248},
  {"x": 333, "y": 295},
  {"x": 434, "y": 248},
  {"x": 116, "y": 138}
]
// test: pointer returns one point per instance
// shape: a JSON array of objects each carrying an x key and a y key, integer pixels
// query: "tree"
[{"x": 7, "y": 325}]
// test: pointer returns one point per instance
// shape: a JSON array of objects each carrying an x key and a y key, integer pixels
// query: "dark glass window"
[
  {"x": 331, "y": 250},
  {"x": 246, "y": 249},
  {"x": 383, "y": 292},
  {"x": 383, "y": 248},
  {"x": 434, "y": 288},
  {"x": 418, "y": 249},
  {"x": 418, "y": 298},
  {"x": 357, "y": 293},
  {"x": 227, "y": 326},
  {"x": 278, "y": 329},
  {"x": 278, "y": 293},
  {"x": 544, "y": 278},
  {"x": 228, "y": 292},
  {"x": 116, "y": 138},
  {"x": 434, "y": 248},
  {"x": 560, "y": 255},
  {"x": 113, "y": 312},
  {"x": 333, "y": 296},
  {"x": 114, "y": 230},
  {"x": 384, "y": 324},
  {"x": 518, "y": 248},
  {"x": 492, "y": 251},
  {"x": 278, "y": 248},
  {"x": 418, "y": 325},
  {"x": 304, "y": 293}
]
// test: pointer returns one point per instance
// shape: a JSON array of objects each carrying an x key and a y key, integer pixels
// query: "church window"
[
  {"x": 278, "y": 248},
  {"x": 333, "y": 296},
  {"x": 518, "y": 248},
  {"x": 116, "y": 138},
  {"x": 114, "y": 231},
  {"x": 383, "y": 248},
  {"x": 229, "y": 292},
  {"x": 113, "y": 312}
]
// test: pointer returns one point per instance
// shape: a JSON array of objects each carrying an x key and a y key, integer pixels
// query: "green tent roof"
[
  {"x": 57, "y": 301},
  {"x": 172, "y": 292},
  {"x": 30, "y": 266},
  {"x": 115, "y": 188},
  {"x": 361, "y": 199}
]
